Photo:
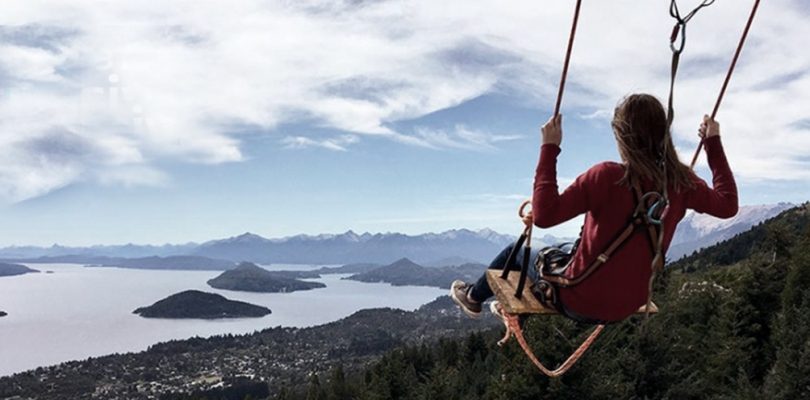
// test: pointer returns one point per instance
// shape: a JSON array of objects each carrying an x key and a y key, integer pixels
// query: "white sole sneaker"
[{"x": 461, "y": 303}]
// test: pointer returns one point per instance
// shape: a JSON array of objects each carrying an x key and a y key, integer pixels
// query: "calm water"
[{"x": 78, "y": 312}]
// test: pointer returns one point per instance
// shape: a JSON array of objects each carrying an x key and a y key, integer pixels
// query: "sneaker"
[{"x": 458, "y": 292}]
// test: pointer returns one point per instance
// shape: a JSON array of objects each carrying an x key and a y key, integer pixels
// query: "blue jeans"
[{"x": 481, "y": 291}]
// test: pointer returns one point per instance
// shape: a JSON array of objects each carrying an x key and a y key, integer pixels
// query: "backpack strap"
[{"x": 640, "y": 218}]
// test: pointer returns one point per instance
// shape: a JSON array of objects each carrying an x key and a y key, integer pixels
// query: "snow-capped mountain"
[
  {"x": 349, "y": 247},
  {"x": 127, "y": 251},
  {"x": 496, "y": 237},
  {"x": 698, "y": 231},
  {"x": 452, "y": 247}
]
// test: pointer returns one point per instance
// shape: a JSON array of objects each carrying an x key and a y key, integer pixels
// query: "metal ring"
[
  {"x": 650, "y": 218},
  {"x": 660, "y": 201},
  {"x": 656, "y": 195}
]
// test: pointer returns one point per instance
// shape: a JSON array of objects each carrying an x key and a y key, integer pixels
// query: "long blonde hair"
[{"x": 641, "y": 131}]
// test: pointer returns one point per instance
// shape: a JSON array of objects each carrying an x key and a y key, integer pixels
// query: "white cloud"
[
  {"x": 339, "y": 143},
  {"x": 460, "y": 137},
  {"x": 133, "y": 176},
  {"x": 142, "y": 81},
  {"x": 31, "y": 64}
]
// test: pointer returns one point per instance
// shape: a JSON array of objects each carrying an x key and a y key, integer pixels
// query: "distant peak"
[
  {"x": 194, "y": 292},
  {"x": 455, "y": 232},
  {"x": 352, "y": 236},
  {"x": 249, "y": 237},
  {"x": 404, "y": 261},
  {"x": 247, "y": 265}
]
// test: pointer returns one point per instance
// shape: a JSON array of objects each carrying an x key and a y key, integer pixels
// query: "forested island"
[
  {"x": 249, "y": 277},
  {"x": 406, "y": 272},
  {"x": 14, "y": 269},
  {"x": 201, "y": 305}
]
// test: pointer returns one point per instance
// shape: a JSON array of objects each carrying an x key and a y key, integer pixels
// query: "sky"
[{"x": 174, "y": 121}]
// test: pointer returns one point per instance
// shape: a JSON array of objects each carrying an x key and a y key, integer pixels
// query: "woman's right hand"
[
  {"x": 708, "y": 128},
  {"x": 552, "y": 131}
]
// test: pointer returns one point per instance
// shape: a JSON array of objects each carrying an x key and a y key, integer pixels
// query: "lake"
[{"x": 77, "y": 312}]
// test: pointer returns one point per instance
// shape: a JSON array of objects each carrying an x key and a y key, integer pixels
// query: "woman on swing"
[{"x": 603, "y": 193}]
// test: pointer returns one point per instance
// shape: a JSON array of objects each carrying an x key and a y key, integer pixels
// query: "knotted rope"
[{"x": 512, "y": 324}]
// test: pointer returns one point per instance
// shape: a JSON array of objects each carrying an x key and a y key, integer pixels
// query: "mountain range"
[
  {"x": 350, "y": 247},
  {"x": 697, "y": 231},
  {"x": 455, "y": 246},
  {"x": 452, "y": 247}
]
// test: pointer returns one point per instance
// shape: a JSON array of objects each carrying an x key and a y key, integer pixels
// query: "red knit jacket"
[{"x": 619, "y": 287}]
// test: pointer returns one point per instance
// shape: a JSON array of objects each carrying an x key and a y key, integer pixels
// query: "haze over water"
[{"x": 79, "y": 312}]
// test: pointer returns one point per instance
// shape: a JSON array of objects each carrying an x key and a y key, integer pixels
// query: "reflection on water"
[{"x": 78, "y": 312}]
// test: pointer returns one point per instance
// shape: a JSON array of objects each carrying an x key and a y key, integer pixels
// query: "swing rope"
[
  {"x": 728, "y": 76},
  {"x": 567, "y": 58},
  {"x": 512, "y": 323}
]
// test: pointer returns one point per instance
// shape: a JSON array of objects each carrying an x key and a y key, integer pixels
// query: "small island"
[
  {"x": 14, "y": 269},
  {"x": 249, "y": 277},
  {"x": 3, "y": 313},
  {"x": 201, "y": 305}
]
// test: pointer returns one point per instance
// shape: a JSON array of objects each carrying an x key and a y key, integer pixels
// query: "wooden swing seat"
[{"x": 504, "y": 290}]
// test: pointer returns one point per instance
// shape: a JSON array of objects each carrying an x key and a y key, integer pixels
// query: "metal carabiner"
[
  {"x": 653, "y": 211},
  {"x": 652, "y": 215},
  {"x": 678, "y": 30}
]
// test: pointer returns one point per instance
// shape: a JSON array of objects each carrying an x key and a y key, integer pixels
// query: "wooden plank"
[{"x": 504, "y": 290}]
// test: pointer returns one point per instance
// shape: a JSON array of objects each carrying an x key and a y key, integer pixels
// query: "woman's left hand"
[
  {"x": 552, "y": 130},
  {"x": 527, "y": 219}
]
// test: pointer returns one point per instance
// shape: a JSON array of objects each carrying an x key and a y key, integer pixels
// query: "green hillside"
[{"x": 734, "y": 324}]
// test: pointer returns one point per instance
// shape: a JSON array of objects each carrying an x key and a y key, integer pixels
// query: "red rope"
[
  {"x": 728, "y": 75},
  {"x": 567, "y": 59},
  {"x": 512, "y": 323}
]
